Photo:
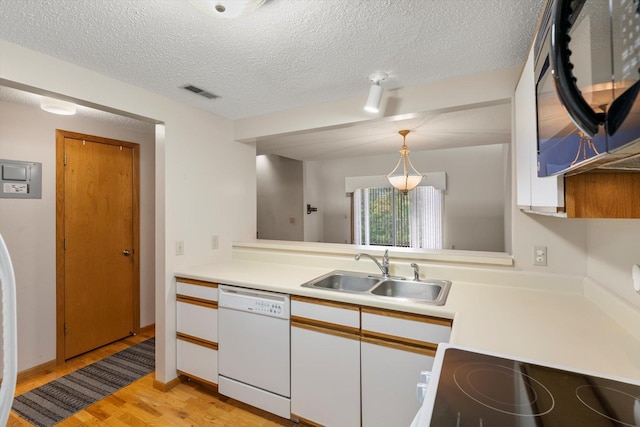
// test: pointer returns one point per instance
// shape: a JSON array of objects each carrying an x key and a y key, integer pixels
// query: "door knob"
[{"x": 126, "y": 252}]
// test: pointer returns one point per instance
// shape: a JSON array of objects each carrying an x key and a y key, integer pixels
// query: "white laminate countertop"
[{"x": 553, "y": 327}]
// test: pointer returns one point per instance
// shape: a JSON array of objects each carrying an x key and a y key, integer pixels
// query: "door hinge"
[
  {"x": 64, "y": 243},
  {"x": 65, "y": 159},
  {"x": 65, "y": 329}
]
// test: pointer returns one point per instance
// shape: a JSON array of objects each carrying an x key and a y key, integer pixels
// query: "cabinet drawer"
[
  {"x": 325, "y": 313},
  {"x": 197, "y": 320},
  {"x": 198, "y": 361},
  {"x": 197, "y": 289},
  {"x": 411, "y": 328}
]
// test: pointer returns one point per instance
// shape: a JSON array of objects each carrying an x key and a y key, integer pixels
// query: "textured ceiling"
[{"x": 287, "y": 54}]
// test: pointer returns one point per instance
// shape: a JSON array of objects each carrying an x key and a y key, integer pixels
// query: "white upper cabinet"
[{"x": 532, "y": 193}]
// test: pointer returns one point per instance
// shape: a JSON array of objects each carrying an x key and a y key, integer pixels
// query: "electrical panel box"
[{"x": 20, "y": 180}]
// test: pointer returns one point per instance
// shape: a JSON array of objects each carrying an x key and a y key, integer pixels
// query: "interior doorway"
[{"x": 97, "y": 242}]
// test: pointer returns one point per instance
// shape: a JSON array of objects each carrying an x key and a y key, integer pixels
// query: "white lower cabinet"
[
  {"x": 197, "y": 360},
  {"x": 325, "y": 363},
  {"x": 351, "y": 365},
  {"x": 389, "y": 376},
  {"x": 197, "y": 330},
  {"x": 395, "y": 348}
]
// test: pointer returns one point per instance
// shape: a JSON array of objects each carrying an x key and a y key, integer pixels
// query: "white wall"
[
  {"x": 195, "y": 155},
  {"x": 313, "y": 224},
  {"x": 279, "y": 198},
  {"x": 474, "y": 199},
  {"x": 613, "y": 247},
  {"x": 29, "y": 226}
]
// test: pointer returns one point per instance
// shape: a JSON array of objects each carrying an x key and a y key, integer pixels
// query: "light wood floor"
[{"x": 139, "y": 404}]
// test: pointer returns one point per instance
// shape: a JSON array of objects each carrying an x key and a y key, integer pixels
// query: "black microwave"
[{"x": 587, "y": 68}]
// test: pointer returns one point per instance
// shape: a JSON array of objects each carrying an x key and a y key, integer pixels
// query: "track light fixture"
[{"x": 375, "y": 92}]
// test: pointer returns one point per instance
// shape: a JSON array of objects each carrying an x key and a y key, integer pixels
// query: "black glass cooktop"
[{"x": 481, "y": 390}]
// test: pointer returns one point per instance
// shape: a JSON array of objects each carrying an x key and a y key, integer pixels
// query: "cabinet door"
[
  {"x": 390, "y": 373},
  {"x": 544, "y": 194},
  {"x": 197, "y": 360},
  {"x": 325, "y": 376},
  {"x": 524, "y": 132}
]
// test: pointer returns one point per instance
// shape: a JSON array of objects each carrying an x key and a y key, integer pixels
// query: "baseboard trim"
[
  {"x": 35, "y": 370},
  {"x": 164, "y": 387},
  {"x": 148, "y": 329}
]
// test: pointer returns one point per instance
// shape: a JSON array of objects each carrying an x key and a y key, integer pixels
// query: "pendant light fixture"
[{"x": 404, "y": 176}]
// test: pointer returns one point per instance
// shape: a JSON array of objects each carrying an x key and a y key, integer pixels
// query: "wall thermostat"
[{"x": 20, "y": 180}]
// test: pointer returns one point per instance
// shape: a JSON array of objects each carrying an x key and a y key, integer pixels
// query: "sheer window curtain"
[{"x": 384, "y": 216}]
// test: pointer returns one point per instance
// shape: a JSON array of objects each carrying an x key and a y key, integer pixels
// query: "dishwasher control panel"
[
  {"x": 254, "y": 301},
  {"x": 267, "y": 307}
]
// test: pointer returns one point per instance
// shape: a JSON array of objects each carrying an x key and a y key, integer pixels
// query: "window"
[{"x": 385, "y": 216}]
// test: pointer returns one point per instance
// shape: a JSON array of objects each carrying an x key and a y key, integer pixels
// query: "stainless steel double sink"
[{"x": 429, "y": 291}]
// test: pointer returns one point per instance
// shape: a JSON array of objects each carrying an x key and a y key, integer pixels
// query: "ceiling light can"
[{"x": 229, "y": 9}]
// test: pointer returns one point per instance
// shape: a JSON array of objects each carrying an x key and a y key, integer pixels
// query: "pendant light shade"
[{"x": 404, "y": 176}]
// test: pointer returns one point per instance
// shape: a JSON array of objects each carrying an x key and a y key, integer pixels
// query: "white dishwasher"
[{"x": 254, "y": 348}]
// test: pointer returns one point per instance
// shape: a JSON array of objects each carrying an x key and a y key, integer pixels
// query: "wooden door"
[{"x": 99, "y": 243}]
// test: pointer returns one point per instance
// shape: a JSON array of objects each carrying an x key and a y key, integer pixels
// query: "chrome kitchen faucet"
[{"x": 384, "y": 267}]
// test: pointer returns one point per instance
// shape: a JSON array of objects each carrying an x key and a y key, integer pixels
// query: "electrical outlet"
[
  {"x": 540, "y": 255},
  {"x": 179, "y": 247},
  {"x": 214, "y": 241}
]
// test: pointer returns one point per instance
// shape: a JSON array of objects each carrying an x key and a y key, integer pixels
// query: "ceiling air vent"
[{"x": 201, "y": 92}]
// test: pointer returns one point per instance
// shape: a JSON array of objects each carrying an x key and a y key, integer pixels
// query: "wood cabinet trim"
[
  {"x": 427, "y": 351},
  {"x": 397, "y": 339},
  {"x": 196, "y": 282},
  {"x": 197, "y": 301},
  {"x": 197, "y": 341},
  {"x": 344, "y": 305},
  {"x": 408, "y": 316},
  {"x": 314, "y": 325}
]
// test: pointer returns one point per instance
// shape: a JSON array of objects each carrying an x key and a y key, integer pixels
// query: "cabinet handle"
[
  {"x": 580, "y": 112},
  {"x": 399, "y": 345},
  {"x": 324, "y": 330}
]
